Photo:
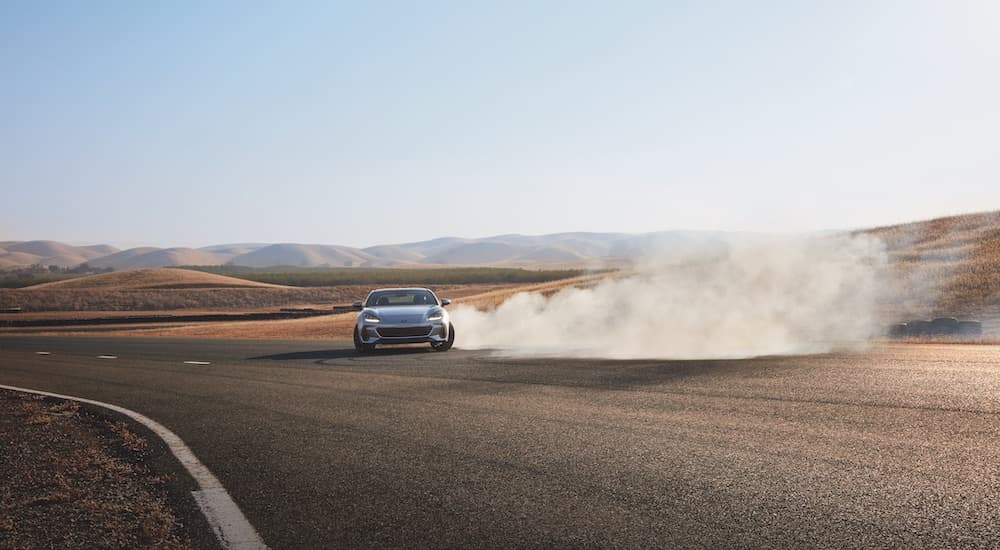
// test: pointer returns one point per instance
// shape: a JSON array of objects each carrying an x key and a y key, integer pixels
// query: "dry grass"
[
  {"x": 339, "y": 327},
  {"x": 173, "y": 299},
  {"x": 162, "y": 290},
  {"x": 74, "y": 481},
  {"x": 141, "y": 313},
  {"x": 151, "y": 279},
  {"x": 217, "y": 299},
  {"x": 944, "y": 267}
]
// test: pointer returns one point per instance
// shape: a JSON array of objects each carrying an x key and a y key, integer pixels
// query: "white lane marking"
[
  {"x": 43, "y": 353},
  {"x": 107, "y": 357},
  {"x": 197, "y": 362},
  {"x": 231, "y": 527}
]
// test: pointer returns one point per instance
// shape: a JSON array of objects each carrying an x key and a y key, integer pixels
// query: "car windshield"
[{"x": 401, "y": 298}]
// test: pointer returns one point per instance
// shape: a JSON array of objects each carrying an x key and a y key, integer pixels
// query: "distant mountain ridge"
[
  {"x": 500, "y": 250},
  {"x": 950, "y": 238},
  {"x": 26, "y": 253}
]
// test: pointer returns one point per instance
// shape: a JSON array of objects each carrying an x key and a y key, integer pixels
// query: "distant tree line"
[
  {"x": 37, "y": 274},
  {"x": 315, "y": 276},
  {"x": 334, "y": 276}
]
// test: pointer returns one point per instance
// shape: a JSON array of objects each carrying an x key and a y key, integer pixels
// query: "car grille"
[{"x": 403, "y": 332}]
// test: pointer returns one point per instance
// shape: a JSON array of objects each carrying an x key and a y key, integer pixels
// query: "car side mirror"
[
  {"x": 357, "y": 305},
  {"x": 445, "y": 301}
]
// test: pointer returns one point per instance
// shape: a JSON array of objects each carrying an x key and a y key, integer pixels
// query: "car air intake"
[{"x": 403, "y": 332}]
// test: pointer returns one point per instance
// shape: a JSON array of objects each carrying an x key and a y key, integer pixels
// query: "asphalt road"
[{"x": 893, "y": 447}]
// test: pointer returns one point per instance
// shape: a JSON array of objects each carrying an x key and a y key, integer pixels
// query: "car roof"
[{"x": 401, "y": 289}]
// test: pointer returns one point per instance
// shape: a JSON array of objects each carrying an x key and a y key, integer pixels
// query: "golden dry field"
[
  {"x": 336, "y": 326},
  {"x": 171, "y": 290},
  {"x": 152, "y": 279},
  {"x": 943, "y": 267}
]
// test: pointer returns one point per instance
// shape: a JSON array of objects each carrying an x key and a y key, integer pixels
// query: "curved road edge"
[{"x": 231, "y": 527}]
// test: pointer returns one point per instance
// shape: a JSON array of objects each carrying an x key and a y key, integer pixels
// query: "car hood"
[{"x": 401, "y": 314}]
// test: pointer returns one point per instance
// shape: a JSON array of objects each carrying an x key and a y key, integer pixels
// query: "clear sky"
[{"x": 194, "y": 123}]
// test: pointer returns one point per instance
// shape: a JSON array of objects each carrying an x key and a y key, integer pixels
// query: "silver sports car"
[{"x": 403, "y": 316}]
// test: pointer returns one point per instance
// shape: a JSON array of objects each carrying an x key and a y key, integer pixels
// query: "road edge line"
[{"x": 231, "y": 527}]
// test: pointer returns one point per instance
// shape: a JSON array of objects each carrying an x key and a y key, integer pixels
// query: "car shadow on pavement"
[
  {"x": 341, "y": 354},
  {"x": 314, "y": 355}
]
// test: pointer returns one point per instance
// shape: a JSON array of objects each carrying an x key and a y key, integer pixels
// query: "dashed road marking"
[
  {"x": 197, "y": 362},
  {"x": 43, "y": 353},
  {"x": 107, "y": 357},
  {"x": 231, "y": 527}
]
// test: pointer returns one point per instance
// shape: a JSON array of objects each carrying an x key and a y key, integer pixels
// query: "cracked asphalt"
[{"x": 896, "y": 446}]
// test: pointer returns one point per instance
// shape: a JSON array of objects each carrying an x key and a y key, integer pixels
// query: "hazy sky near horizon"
[{"x": 195, "y": 123}]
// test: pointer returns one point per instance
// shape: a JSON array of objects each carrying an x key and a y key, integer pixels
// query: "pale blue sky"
[{"x": 194, "y": 123}]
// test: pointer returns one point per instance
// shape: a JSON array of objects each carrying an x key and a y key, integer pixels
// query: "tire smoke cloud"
[{"x": 730, "y": 298}]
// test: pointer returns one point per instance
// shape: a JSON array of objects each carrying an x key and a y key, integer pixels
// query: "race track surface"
[{"x": 893, "y": 447}]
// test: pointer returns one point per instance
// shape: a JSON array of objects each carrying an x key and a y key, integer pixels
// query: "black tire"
[
  {"x": 944, "y": 326},
  {"x": 445, "y": 346},
  {"x": 918, "y": 328},
  {"x": 899, "y": 330},
  {"x": 360, "y": 346},
  {"x": 970, "y": 328}
]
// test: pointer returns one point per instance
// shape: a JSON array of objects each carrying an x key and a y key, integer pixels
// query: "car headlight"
[
  {"x": 435, "y": 315},
  {"x": 370, "y": 317}
]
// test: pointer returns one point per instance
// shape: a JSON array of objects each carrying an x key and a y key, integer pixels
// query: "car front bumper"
[{"x": 403, "y": 333}]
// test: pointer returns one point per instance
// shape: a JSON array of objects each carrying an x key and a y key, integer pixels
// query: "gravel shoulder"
[{"x": 76, "y": 477}]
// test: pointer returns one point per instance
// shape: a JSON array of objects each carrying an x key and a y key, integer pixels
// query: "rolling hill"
[
  {"x": 152, "y": 279},
  {"x": 963, "y": 251},
  {"x": 394, "y": 254},
  {"x": 942, "y": 267},
  {"x": 560, "y": 249},
  {"x": 178, "y": 256},
  {"x": 302, "y": 255},
  {"x": 26, "y": 253},
  {"x": 148, "y": 257},
  {"x": 946, "y": 266}
]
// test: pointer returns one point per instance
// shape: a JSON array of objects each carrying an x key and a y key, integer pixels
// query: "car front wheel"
[
  {"x": 360, "y": 346},
  {"x": 445, "y": 346}
]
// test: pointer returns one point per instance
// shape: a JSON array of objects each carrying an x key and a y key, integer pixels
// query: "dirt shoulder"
[
  {"x": 42, "y": 300},
  {"x": 75, "y": 478},
  {"x": 327, "y": 327}
]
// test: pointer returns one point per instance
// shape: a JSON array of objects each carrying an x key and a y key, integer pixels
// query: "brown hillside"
[
  {"x": 151, "y": 279},
  {"x": 148, "y": 257},
  {"x": 25, "y": 253},
  {"x": 17, "y": 259},
  {"x": 946, "y": 266}
]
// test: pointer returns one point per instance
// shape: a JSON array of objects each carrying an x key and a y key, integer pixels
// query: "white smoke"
[{"x": 738, "y": 298}]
